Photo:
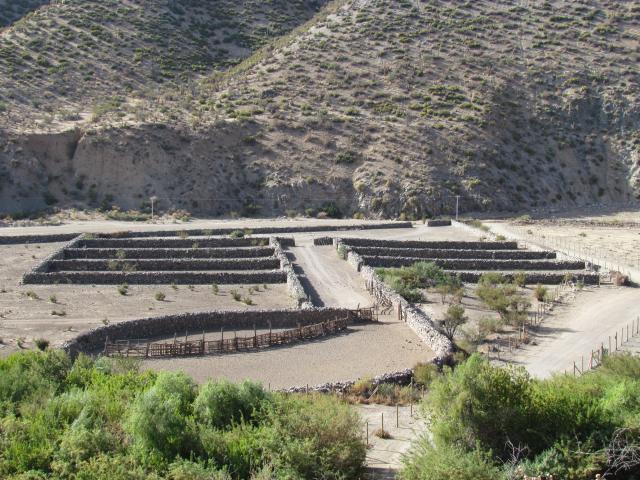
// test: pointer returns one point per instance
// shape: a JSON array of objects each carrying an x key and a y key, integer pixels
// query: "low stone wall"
[
  {"x": 533, "y": 278},
  {"x": 141, "y": 253},
  {"x": 166, "y": 264},
  {"x": 449, "y": 245},
  {"x": 155, "y": 278},
  {"x": 43, "y": 266},
  {"x": 477, "y": 264},
  {"x": 296, "y": 290},
  {"x": 438, "y": 223},
  {"x": 438, "y": 253},
  {"x": 260, "y": 230},
  {"x": 53, "y": 238},
  {"x": 321, "y": 241},
  {"x": 418, "y": 320},
  {"x": 172, "y": 242},
  {"x": 195, "y": 323},
  {"x": 402, "y": 377}
]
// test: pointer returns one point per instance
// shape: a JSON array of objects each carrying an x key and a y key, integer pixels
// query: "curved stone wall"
[{"x": 195, "y": 323}]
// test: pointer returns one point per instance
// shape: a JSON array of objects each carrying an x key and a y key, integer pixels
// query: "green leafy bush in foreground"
[
  {"x": 499, "y": 423},
  {"x": 93, "y": 420}
]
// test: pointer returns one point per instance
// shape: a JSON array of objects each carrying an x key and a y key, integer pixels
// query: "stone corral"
[
  {"x": 196, "y": 323},
  {"x": 187, "y": 261},
  {"x": 469, "y": 259}
]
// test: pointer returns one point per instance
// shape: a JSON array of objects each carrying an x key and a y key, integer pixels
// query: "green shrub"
[
  {"x": 540, "y": 292},
  {"x": 426, "y": 462},
  {"x": 237, "y": 234},
  {"x": 221, "y": 403},
  {"x": 159, "y": 417},
  {"x": 425, "y": 373},
  {"x": 316, "y": 436}
]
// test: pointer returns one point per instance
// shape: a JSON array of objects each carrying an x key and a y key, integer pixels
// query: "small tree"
[{"x": 453, "y": 319}]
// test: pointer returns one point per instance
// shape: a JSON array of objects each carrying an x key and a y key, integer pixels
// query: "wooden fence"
[{"x": 146, "y": 349}]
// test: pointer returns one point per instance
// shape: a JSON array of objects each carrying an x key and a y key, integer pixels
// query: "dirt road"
[
  {"x": 579, "y": 327},
  {"x": 329, "y": 280}
]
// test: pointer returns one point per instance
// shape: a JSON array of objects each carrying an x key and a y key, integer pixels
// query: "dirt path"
[
  {"x": 384, "y": 456},
  {"x": 329, "y": 280},
  {"x": 577, "y": 328}
]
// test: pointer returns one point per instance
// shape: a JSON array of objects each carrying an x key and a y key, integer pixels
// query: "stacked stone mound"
[
  {"x": 183, "y": 260},
  {"x": 469, "y": 259}
]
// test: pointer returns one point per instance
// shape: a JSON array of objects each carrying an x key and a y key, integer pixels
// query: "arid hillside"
[
  {"x": 12, "y": 10},
  {"x": 378, "y": 107}
]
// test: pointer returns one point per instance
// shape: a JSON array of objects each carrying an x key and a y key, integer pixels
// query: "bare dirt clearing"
[
  {"x": 367, "y": 349},
  {"x": 613, "y": 247},
  {"x": 26, "y": 311}
]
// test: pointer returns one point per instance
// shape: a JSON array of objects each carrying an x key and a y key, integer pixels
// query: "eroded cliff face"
[{"x": 582, "y": 152}]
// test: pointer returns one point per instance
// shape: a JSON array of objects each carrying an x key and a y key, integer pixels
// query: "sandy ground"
[
  {"x": 366, "y": 349},
  {"x": 576, "y": 328},
  {"x": 615, "y": 248},
  {"x": 329, "y": 280},
  {"x": 384, "y": 456},
  {"x": 89, "y": 306},
  {"x": 104, "y": 226}
]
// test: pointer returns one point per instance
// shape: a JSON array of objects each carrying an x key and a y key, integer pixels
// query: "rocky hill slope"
[{"x": 373, "y": 106}]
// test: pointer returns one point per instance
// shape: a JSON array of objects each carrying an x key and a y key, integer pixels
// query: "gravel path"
[
  {"x": 329, "y": 280},
  {"x": 577, "y": 328},
  {"x": 384, "y": 456}
]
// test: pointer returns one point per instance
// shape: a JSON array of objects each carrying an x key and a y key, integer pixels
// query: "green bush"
[
  {"x": 563, "y": 425},
  {"x": 221, "y": 404},
  {"x": 105, "y": 420},
  {"x": 425, "y": 373},
  {"x": 159, "y": 417},
  {"x": 426, "y": 462}
]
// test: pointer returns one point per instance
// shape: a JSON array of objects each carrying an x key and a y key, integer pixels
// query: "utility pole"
[
  {"x": 457, "y": 206},
  {"x": 153, "y": 201}
]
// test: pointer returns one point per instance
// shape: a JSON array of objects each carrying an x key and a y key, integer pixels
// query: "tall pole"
[{"x": 457, "y": 206}]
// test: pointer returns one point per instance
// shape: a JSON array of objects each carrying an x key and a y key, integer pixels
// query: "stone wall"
[
  {"x": 321, "y": 241},
  {"x": 137, "y": 253},
  {"x": 438, "y": 223},
  {"x": 477, "y": 264},
  {"x": 296, "y": 290},
  {"x": 43, "y": 266},
  {"x": 202, "y": 242},
  {"x": 455, "y": 253},
  {"x": 165, "y": 264},
  {"x": 402, "y": 377},
  {"x": 155, "y": 278},
  {"x": 418, "y": 320},
  {"x": 533, "y": 278},
  {"x": 195, "y": 323},
  {"x": 450, "y": 245},
  {"x": 53, "y": 238}
]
